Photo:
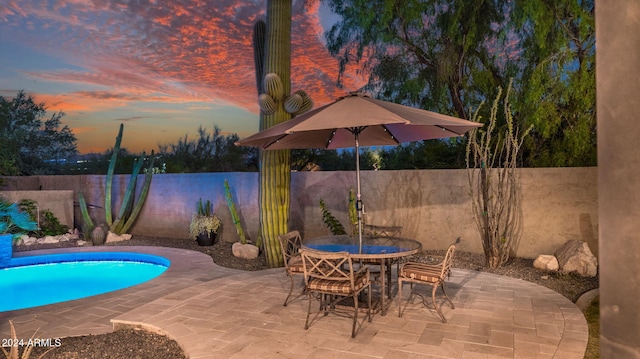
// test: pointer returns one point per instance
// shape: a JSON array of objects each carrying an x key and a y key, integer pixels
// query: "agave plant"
[
  {"x": 13, "y": 353},
  {"x": 13, "y": 221}
]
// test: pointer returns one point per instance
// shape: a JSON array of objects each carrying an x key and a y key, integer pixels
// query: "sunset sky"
[{"x": 162, "y": 68}]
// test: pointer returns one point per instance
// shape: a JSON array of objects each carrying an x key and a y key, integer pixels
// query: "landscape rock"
[
  {"x": 112, "y": 237},
  {"x": 27, "y": 241},
  {"x": 245, "y": 251},
  {"x": 575, "y": 256},
  {"x": 49, "y": 239},
  {"x": 546, "y": 262}
]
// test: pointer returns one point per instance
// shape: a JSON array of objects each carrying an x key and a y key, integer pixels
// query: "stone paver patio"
[{"x": 217, "y": 312}]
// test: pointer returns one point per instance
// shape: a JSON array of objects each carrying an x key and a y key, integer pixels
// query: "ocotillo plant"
[
  {"x": 494, "y": 183},
  {"x": 276, "y": 106},
  {"x": 130, "y": 207}
]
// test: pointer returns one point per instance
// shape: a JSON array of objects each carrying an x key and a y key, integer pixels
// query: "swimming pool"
[{"x": 33, "y": 281}]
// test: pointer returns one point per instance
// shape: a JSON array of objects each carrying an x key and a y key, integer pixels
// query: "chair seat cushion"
[
  {"x": 421, "y": 272},
  {"x": 295, "y": 264},
  {"x": 338, "y": 286}
]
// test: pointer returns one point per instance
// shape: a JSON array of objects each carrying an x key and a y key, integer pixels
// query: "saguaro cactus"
[
  {"x": 275, "y": 166},
  {"x": 276, "y": 104}
]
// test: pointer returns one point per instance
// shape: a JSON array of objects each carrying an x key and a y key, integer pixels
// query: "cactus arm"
[
  {"x": 129, "y": 194},
  {"x": 143, "y": 196},
  {"x": 259, "y": 37},
  {"x": 85, "y": 212},
  {"x": 234, "y": 213},
  {"x": 109, "y": 179}
]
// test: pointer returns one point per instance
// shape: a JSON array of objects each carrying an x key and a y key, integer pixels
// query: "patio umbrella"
[{"x": 357, "y": 120}]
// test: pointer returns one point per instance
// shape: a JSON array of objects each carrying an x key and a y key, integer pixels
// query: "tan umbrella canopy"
[
  {"x": 373, "y": 122},
  {"x": 358, "y": 120}
]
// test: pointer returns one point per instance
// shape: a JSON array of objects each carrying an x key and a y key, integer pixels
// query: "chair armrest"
[{"x": 422, "y": 265}]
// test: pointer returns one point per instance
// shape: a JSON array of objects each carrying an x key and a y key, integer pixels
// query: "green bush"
[{"x": 49, "y": 224}]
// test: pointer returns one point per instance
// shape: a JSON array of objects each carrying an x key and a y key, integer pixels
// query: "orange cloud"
[
  {"x": 180, "y": 51},
  {"x": 196, "y": 49}
]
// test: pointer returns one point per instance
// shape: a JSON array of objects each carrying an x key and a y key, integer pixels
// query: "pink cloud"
[{"x": 177, "y": 51}]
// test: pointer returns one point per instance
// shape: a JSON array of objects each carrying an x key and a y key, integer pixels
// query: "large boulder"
[
  {"x": 546, "y": 262},
  {"x": 246, "y": 251},
  {"x": 575, "y": 256}
]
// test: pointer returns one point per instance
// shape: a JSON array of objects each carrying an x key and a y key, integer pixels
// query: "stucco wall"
[
  {"x": 60, "y": 203},
  {"x": 432, "y": 206},
  {"x": 618, "y": 104}
]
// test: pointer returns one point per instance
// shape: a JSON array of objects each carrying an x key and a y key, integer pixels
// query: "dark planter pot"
[{"x": 207, "y": 238}]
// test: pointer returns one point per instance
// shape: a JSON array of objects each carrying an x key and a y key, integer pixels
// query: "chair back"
[
  {"x": 335, "y": 266},
  {"x": 381, "y": 231},
  {"x": 448, "y": 261},
  {"x": 290, "y": 244}
]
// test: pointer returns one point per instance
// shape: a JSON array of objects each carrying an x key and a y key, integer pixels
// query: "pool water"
[{"x": 34, "y": 281}]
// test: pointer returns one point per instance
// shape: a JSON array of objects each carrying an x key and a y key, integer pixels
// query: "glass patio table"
[{"x": 381, "y": 250}]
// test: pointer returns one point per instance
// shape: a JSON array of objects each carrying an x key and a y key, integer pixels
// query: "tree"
[
  {"x": 443, "y": 56},
  {"x": 332, "y": 160},
  {"x": 29, "y": 145},
  {"x": 434, "y": 55},
  {"x": 209, "y": 152},
  {"x": 449, "y": 55},
  {"x": 558, "y": 91},
  {"x": 446, "y": 153}
]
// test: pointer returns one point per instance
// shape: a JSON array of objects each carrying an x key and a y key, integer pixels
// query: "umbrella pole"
[{"x": 359, "y": 200}]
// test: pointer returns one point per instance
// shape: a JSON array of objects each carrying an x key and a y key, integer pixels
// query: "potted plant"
[
  {"x": 13, "y": 223},
  {"x": 204, "y": 224}
]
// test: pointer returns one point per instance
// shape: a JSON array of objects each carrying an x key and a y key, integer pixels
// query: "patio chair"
[
  {"x": 290, "y": 244},
  {"x": 429, "y": 274},
  {"x": 330, "y": 277}
]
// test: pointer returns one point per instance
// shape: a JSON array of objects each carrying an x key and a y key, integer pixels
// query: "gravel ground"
[{"x": 140, "y": 344}]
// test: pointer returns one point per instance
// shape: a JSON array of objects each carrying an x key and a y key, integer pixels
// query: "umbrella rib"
[
  {"x": 357, "y": 130},
  {"x": 446, "y": 129},
  {"x": 275, "y": 141},
  {"x": 333, "y": 133},
  {"x": 390, "y": 134}
]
